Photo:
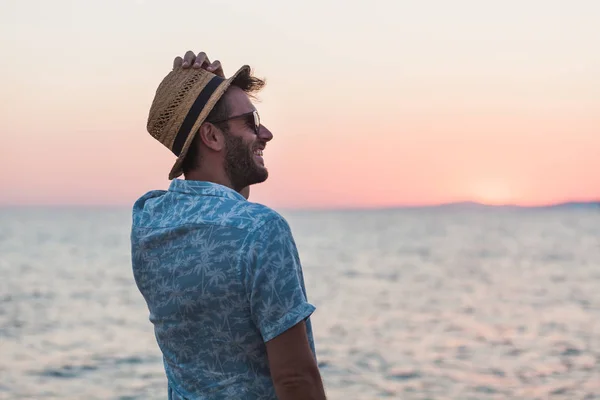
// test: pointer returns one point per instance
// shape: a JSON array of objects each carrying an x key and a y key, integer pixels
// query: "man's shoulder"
[
  {"x": 265, "y": 216},
  {"x": 164, "y": 209},
  {"x": 271, "y": 228}
]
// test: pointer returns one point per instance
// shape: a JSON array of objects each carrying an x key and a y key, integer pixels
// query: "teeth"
[{"x": 258, "y": 152}]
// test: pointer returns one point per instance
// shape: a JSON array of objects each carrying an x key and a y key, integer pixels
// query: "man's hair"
[{"x": 245, "y": 81}]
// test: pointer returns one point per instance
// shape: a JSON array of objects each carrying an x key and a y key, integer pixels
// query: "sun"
[{"x": 493, "y": 193}]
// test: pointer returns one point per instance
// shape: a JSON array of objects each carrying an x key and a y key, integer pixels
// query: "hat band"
[{"x": 193, "y": 113}]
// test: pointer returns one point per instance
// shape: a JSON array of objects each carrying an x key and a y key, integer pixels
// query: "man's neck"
[{"x": 199, "y": 175}]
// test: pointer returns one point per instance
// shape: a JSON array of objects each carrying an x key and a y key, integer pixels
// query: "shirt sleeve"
[{"x": 274, "y": 280}]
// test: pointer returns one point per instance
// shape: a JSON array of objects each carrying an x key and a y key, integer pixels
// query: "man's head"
[{"x": 230, "y": 142}]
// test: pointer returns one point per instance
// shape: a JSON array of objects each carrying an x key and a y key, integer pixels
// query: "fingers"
[
  {"x": 177, "y": 62},
  {"x": 198, "y": 61},
  {"x": 216, "y": 68},
  {"x": 202, "y": 60},
  {"x": 188, "y": 59}
]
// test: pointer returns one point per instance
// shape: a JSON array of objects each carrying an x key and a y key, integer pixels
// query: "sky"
[{"x": 372, "y": 104}]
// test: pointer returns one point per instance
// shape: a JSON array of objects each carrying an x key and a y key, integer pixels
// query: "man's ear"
[{"x": 211, "y": 136}]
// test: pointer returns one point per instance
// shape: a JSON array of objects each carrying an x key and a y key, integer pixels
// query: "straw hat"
[{"x": 182, "y": 102}]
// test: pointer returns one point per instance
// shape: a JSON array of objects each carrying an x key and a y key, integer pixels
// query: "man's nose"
[{"x": 264, "y": 133}]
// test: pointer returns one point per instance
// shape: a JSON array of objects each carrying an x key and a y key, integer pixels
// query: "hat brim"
[{"x": 177, "y": 170}]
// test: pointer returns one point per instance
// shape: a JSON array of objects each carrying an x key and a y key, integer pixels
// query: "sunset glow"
[{"x": 401, "y": 103}]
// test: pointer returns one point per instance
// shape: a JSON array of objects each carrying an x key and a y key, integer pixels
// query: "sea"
[{"x": 412, "y": 303}]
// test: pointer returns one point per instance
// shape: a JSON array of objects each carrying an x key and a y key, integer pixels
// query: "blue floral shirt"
[{"x": 221, "y": 277}]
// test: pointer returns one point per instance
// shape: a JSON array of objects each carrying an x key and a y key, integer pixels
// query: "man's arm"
[
  {"x": 293, "y": 367},
  {"x": 279, "y": 308}
]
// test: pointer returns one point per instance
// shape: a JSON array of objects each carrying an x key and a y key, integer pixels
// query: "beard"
[{"x": 240, "y": 166}]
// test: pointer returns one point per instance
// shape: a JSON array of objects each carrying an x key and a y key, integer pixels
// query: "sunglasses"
[{"x": 255, "y": 119}]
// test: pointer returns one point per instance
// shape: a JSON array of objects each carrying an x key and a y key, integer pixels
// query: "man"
[{"x": 221, "y": 276}]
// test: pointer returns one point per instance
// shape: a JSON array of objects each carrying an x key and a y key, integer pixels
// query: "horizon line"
[{"x": 464, "y": 203}]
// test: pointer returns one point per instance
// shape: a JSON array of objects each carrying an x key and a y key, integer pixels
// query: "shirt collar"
[{"x": 204, "y": 188}]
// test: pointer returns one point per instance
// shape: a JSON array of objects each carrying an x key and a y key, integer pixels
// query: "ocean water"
[{"x": 411, "y": 304}]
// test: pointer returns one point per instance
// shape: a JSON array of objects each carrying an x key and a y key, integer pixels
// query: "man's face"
[{"x": 244, "y": 162}]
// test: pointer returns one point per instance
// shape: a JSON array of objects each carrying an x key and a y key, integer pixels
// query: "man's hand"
[{"x": 199, "y": 61}]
